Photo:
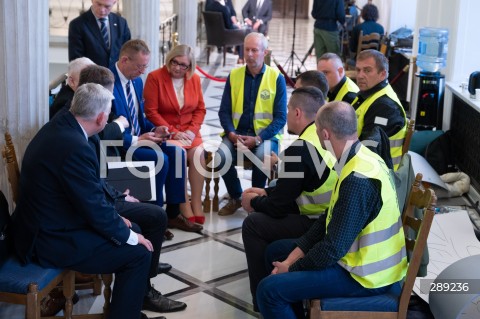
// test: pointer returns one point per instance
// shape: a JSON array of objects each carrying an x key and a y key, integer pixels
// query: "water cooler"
[{"x": 429, "y": 83}]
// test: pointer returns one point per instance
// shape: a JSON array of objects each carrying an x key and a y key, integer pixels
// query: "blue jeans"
[
  {"x": 280, "y": 296},
  {"x": 228, "y": 155},
  {"x": 171, "y": 175}
]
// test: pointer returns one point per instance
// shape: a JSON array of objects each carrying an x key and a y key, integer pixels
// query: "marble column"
[
  {"x": 187, "y": 11},
  {"x": 24, "y": 37},
  {"x": 143, "y": 17}
]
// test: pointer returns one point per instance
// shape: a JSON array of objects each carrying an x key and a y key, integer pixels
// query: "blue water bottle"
[{"x": 432, "y": 49}]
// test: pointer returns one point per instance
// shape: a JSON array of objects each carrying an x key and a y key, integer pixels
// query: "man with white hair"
[{"x": 66, "y": 92}]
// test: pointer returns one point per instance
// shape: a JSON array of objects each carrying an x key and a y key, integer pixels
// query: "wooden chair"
[
  {"x": 368, "y": 41},
  {"x": 408, "y": 136},
  {"x": 365, "y": 42},
  {"x": 13, "y": 172},
  {"x": 219, "y": 36},
  {"x": 389, "y": 305},
  {"x": 212, "y": 203}
]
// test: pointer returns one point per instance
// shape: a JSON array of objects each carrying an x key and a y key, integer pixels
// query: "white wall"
[{"x": 460, "y": 17}]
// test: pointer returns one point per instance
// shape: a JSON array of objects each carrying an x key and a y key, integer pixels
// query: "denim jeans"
[
  {"x": 227, "y": 153},
  {"x": 280, "y": 296}
]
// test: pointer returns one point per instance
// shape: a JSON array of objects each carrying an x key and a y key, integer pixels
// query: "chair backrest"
[
  {"x": 368, "y": 41},
  {"x": 11, "y": 163},
  {"x": 214, "y": 27},
  {"x": 422, "y": 198},
  {"x": 217, "y": 34},
  {"x": 408, "y": 137}
]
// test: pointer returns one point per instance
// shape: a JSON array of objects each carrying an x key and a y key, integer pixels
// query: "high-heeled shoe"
[
  {"x": 200, "y": 220},
  {"x": 191, "y": 219}
]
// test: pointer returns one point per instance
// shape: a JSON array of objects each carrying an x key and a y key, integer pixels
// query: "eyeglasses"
[
  {"x": 181, "y": 65},
  {"x": 139, "y": 67}
]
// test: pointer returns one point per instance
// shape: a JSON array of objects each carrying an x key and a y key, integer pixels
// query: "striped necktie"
[
  {"x": 131, "y": 109},
  {"x": 104, "y": 31}
]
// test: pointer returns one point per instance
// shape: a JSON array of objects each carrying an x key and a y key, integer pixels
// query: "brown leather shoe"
[
  {"x": 230, "y": 208},
  {"x": 184, "y": 224},
  {"x": 54, "y": 302},
  {"x": 168, "y": 235}
]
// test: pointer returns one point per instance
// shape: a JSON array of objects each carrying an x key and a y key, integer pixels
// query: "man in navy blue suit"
[
  {"x": 142, "y": 136},
  {"x": 98, "y": 34},
  {"x": 63, "y": 218}
]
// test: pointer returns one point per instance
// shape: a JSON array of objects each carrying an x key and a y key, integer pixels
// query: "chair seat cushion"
[
  {"x": 386, "y": 303},
  {"x": 15, "y": 277}
]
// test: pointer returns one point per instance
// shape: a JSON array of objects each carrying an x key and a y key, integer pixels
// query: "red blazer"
[{"x": 162, "y": 108}]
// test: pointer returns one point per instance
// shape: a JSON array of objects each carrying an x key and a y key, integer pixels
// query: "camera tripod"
[{"x": 290, "y": 63}]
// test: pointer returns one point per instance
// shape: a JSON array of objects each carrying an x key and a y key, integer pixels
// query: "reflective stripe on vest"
[
  {"x": 348, "y": 86},
  {"x": 263, "y": 113},
  {"x": 315, "y": 203},
  {"x": 396, "y": 141},
  {"x": 377, "y": 257}
]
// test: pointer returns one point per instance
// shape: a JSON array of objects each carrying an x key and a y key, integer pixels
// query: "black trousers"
[
  {"x": 258, "y": 231},
  {"x": 152, "y": 221}
]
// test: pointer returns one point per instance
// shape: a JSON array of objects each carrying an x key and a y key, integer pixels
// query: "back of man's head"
[
  {"x": 339, "y": 118},
  {"x": 74, "y": 69},
  {"x": 309, "y": 99},
  {"x": 97, "y": 74},
  {"x": 89, "y": 100},
  {"x": 314, "y": 78}
]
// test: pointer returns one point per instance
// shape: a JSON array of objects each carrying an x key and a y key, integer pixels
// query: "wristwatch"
[{"x": 257, "y": 141}]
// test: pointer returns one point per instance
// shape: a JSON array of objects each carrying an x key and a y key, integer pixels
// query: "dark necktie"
[
  {"x": 104, "y": 31},
  {"x": 131, "y": 109}
]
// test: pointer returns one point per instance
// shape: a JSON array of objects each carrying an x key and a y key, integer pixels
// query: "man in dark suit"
[
  {"x": 98, "y": 34},
  {"x": 257, "y": 14},
  {"x": 63, "y": 219},
  {"x": 142, "y": 137}
]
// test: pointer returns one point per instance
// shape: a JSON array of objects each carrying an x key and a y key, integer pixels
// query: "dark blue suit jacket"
[
  {"x": 120, "y": 107},
  {"x": 62, "y": 215},
  {"x": 85, "y": 39}
]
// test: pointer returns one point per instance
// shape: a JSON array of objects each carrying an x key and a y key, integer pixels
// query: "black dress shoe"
[
  {"x": 144, "y": 316},
  {"x": 184, "y": 224},
  {"x": 163, "y": 268},
  {"x": 155, "y": 301}
]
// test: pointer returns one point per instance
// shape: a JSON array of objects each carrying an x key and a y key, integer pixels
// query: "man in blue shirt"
[{"x": 252, "y": 114}]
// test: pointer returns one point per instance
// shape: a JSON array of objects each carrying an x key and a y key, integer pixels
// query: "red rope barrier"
[{"x": 209, "y": 76}]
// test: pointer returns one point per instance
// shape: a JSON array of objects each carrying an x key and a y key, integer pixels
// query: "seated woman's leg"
[{"x": 196, "y": 166}]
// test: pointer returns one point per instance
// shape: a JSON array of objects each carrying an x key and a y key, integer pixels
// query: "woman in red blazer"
[{"x": 173, "y": 98}]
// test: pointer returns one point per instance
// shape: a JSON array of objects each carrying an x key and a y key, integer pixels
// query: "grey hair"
[
  {"x": 339, "y": 117},
  {"x": 76, "y": 66},
  {"x": 258, "y": 36},
  {"x": 89, "y": 100}
]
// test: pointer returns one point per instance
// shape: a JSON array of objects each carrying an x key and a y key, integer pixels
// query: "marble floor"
[{"x": 209, "y": 269}]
